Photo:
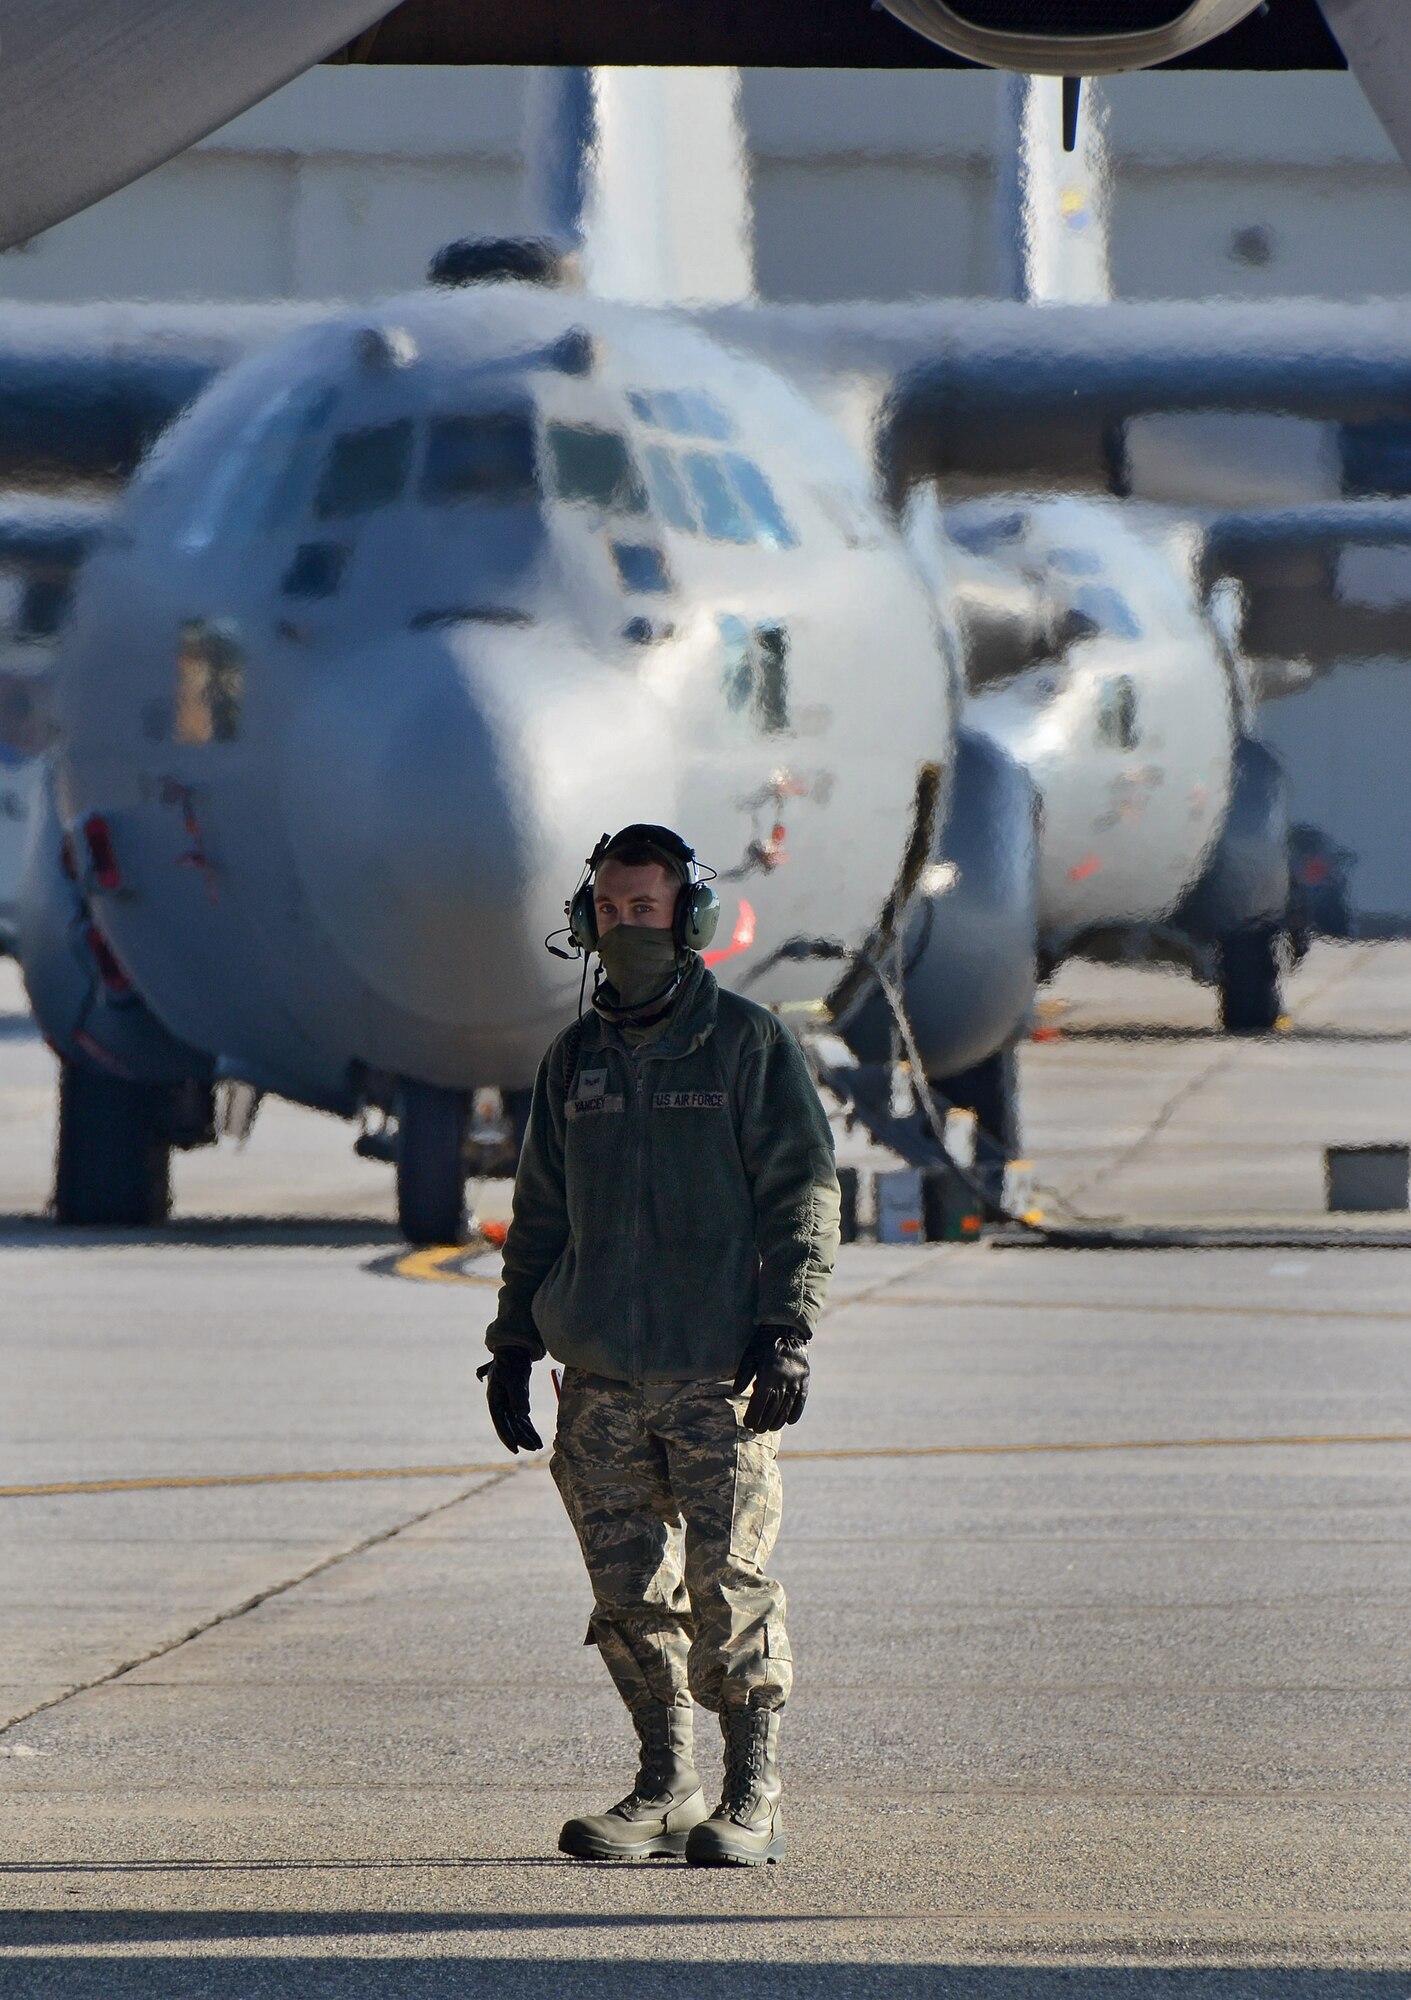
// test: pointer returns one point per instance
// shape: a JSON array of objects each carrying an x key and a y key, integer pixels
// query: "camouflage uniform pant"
[{"x": 676, "y": 1507}]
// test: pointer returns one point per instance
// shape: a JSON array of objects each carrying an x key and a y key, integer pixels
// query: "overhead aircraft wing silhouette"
[
  {"x": 95, "y": 92},
  {"x": 1375, "y": 36}
]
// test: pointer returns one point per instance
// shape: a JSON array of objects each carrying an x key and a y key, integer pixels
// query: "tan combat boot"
[
  {"x": 747, "y": 1827},
  {"x": 661, "y": 1808}
]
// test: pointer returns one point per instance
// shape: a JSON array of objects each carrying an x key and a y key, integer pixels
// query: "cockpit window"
[
  {"x": 486, "y": 456},
  {"x": 684, "y": 412},
  {"x": 640, "y": 567},
  {"x": 668, "y": 490},
  {"x": 595, "y": 466},
  {"x": 1075, "y": 562},
  {"x": 720, "y": 507},
  {"x": 725, "y": 496},
  {"x": 261, "y": 480},
  {"x": 1108, "y": 611},
  {"x": 981, "y": 535},
  {"x": 758, "y": 495},
  {"x": 364, "y": 469}
]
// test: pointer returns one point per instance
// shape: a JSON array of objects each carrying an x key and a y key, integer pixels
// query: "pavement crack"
[
  {"x": 234, "y": 1611},
  {"x": 1158, "y": 1125}
]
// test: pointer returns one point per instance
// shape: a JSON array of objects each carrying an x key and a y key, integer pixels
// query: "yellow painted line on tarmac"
[
  {"x": 1102, "y": 1444},
  {"x": 182, "y": 1482},
  {"x": 1165, "y": 1308},
  {"x": 61, "y": 1489},
  {"x": 436, "y": 1266}
]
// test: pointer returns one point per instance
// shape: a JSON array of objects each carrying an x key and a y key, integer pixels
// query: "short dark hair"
[{"x": 637, "y": 852}]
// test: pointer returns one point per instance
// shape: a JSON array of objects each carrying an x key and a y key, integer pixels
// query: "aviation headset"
[{"x": 697, "y": 910}]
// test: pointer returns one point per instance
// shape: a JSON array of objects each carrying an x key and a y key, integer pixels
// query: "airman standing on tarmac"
[{"x": 675, "y": 1225}]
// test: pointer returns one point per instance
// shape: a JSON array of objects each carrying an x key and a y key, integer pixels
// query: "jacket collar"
[{"x": 692, "y": 1019}]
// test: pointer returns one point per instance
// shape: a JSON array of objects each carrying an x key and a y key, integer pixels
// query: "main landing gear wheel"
[
  {"x": 991, "y": 1090},
  {"x": 1249, "y": 981},
  {"x": 113, "y": 1163},
  {"x": 431, "y": 1126}
]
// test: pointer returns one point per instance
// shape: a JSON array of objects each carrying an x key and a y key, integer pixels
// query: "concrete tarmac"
[{"x": 1099, "y": 1569}]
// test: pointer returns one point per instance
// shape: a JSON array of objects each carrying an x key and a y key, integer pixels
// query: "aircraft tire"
[
  {"x": 113, "y": 1160},
  {"x": 431, "y": 1125},
  {"x": 1250, "y": 1001}
]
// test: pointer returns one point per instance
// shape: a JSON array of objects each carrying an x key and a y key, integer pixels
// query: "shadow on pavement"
[
  {"x": 165, "y": 1977},
  {"x": 33, "y": 1231}
]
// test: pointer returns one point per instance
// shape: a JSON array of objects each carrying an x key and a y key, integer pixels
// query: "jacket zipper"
[{"x": 639, "y": 1148}]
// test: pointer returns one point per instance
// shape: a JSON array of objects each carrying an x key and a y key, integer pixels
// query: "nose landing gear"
[
  {"x": 112, "y": 1163},
  {"x": 431, "y": 1135},
  {"x": 1250, "y": 969}
]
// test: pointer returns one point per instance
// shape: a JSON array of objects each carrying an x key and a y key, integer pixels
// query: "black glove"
[
  {"x": 775, "y": 1361},
  {"x": 507, "y": 1393}
]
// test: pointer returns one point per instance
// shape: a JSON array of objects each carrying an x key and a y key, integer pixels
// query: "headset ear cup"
[
  {"x": 701, "y": 914},
  {"x": 583, "y": 918}
]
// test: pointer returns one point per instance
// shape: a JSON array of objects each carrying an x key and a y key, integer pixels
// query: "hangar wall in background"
[{"x": 867, "y": 184}]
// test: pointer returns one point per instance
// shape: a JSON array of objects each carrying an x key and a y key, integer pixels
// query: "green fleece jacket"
[{"x": 670, "y": 1199}]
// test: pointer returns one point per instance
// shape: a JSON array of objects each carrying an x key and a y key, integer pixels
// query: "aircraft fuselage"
[{"x": 411, "y": 607}]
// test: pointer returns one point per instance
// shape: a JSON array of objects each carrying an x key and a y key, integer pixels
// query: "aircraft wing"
[
  {"x": 85, "y": 389},
  {"x": 1319, "y": 584},
  {"x": 985, "y": 396},
  {"x": 48, "y": 531},
  {"x": 95, "y": 92},
  {"x": 1375, "y": 36},
  {"x": 992, "y": 396}
]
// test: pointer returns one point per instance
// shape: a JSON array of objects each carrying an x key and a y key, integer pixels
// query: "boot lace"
[{"x": 746, "y": 1778}]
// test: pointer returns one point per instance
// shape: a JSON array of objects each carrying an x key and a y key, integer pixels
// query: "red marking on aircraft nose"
[
  {"x": 110, "y": 969},
  {"x": 98, "y": 838},
  {"x": 741, "y": 938},
  {"x": 1090, "y": 864}
]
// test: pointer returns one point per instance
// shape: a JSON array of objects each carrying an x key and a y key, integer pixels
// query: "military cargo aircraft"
[
  {"x": 389, "y": 627},
  {"x": 1094, "y": 660},
  {"x": 412, "y": 602}
]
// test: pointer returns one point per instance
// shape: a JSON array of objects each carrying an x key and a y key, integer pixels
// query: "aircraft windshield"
[
  {"x": 684, "y": 412},
  {"x": 668, "y": 490},
  {"x": 364, "y": 469},
  {"x": 722, "y": 495},
  {"x": 758, "y": 495},
  {"x": 261, "y": 480},
  {"x": 595, "y": 466},
  {"x": 1108, "y": 610},
  {"x": 486, "y": 457},
  {"x": 722, "y": 514}
]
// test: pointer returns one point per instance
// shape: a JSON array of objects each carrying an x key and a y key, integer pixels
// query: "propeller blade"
[
  {"x": 1375, "y": 36},
  {"x": 95, "y": 92}
]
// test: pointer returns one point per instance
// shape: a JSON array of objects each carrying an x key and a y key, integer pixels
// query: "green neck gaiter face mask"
[{"x": 640, "y": 963}]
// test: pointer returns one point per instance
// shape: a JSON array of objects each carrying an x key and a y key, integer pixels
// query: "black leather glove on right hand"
[
  {"x": 506, "y": 1380},
  {"x": 776, "y": 1362}
]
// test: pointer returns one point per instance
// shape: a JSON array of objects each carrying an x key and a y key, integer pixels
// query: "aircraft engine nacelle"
[
  {"x": 1246, "y": 880},
  {"x": 971, "y": 931},
  {"x": 1071, "y": 37}
]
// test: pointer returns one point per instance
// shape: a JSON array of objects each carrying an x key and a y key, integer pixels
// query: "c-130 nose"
[{"x": 409, "y": 833}]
